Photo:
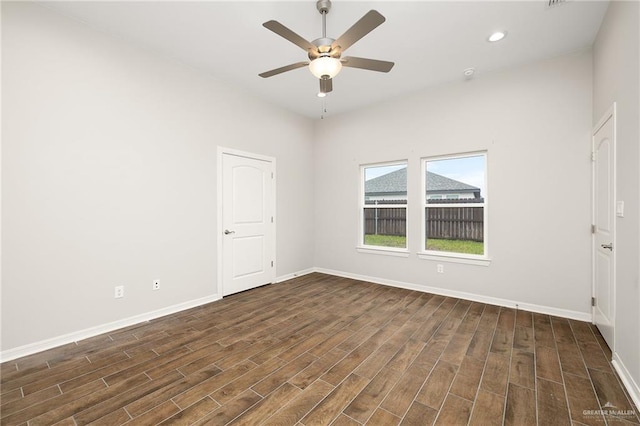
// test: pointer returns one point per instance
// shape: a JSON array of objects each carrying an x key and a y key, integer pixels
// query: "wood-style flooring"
[{"x": 320, "y": 350}]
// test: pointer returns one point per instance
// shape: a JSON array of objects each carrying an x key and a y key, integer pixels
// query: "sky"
[
  {"x": 469, "y": 170},
  {"x": 375, "y": 171}
]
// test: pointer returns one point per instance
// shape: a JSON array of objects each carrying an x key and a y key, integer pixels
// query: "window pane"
[
  {"x": 385, "y": 226},
  {"x": 455, "y": 229},
  {"x": 385, "y": 211},
  {"x": 460, "y": 178},
  {"x": 454, "y": 204}
]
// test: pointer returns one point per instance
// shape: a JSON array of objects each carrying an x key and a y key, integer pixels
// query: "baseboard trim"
[
  {"x": 32, "y": 348},
  {"x": 294, "y": 275},
  {"x": 565, "y": 313},
  {"x": 627, "y": 380}
]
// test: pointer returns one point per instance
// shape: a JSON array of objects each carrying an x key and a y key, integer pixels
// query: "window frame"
[
  {"x": 361, "y": 247},
  {"x": 473, "y": 259}
]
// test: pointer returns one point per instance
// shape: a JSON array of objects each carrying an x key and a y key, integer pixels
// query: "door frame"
[
  {"x": 609, "y": 114},
  {"x": 220, "y": 226}
]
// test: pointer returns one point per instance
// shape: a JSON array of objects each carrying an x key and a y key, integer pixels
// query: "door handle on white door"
[
  {"x": 607, "y": 246},
  {"x": 227, "y": 232}
]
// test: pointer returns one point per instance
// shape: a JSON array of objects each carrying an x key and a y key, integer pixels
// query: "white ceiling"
[{"x": 430, "y": 42}]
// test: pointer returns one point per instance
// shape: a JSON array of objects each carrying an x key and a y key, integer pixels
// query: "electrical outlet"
[
  {"x": 156, "y": 284},
  {"x": 440, "y": 268},
  {"x": 119, "y": 292}
]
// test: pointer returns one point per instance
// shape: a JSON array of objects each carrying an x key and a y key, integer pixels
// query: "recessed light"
[
  {"x": 469, "y": 72},
  {"x": 497, "y": 36}
]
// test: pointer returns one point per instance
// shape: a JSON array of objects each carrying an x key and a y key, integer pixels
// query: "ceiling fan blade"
[
  {"x": 283, "y": 69},
  {"x": 285, "y": 32},
  {"x": 367, "y": 64},
  {"x": 326, "y": 85},
  {"x": 370, "y": 21}
]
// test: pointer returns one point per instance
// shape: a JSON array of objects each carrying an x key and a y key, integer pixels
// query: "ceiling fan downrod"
[{"x": 324, "y": 6}]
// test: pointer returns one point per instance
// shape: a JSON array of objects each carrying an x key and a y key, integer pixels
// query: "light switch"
[{"x": 620, "y": 209}]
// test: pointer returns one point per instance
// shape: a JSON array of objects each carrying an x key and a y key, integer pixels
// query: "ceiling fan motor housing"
[{"x": 324, "y": 48}]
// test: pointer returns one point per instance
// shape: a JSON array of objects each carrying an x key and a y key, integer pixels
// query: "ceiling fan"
[{"x": 325, "y": 53}]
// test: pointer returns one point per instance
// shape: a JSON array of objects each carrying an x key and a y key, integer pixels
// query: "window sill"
[
  {"x": 383, "y": 251},
  {"x": 454, "y": 258}
]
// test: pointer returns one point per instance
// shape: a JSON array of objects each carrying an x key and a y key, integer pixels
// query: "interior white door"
[
  {"x": 604, "y": 230},
  {"x": 248, "y": 234}
]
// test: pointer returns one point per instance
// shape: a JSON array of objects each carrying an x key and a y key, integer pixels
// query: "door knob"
[
  {"x": 607, "y": 246},
  {"x": 227, "y": 232}
]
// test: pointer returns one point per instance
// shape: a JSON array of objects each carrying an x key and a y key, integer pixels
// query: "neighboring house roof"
[
  {"x": 436, "y": 182},
  {"x": 396, "y": 183}
]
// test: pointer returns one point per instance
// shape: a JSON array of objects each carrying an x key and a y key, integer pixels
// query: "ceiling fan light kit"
[
  {"x": 325, "y": 67},
  {"x": 325, "y": 61}
]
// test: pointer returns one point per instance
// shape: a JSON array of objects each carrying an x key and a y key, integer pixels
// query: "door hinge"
[
  {"x": 272, "y": 263},
  {"x": 271, "y": 219},
  {"x": 593, "y": 301},
  {"x": 593, "y": 229},
  {"x": 593, "y": 156},
  {"x": 271, "y": 175}
]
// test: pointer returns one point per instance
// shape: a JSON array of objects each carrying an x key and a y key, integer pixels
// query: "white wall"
[
  {"x": 535, "y": 123},
  {"x": 616, "y": 73},
  {"x": 109, "y": 177}
]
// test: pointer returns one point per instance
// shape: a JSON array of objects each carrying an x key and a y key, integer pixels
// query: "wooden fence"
[
  {"x": 385, "y": 221},
  {"x": 455, "y": 223},
  {"x": 452, "y": 223}
]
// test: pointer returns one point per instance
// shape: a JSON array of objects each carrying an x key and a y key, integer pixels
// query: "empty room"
[{"x": 320, "y": 212}]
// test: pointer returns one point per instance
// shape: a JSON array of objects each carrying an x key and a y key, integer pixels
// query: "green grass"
[
  {"x": 450, "y": 246},
  {"x": 385, "y": 241},
  {"x": 456, "y": 246}
]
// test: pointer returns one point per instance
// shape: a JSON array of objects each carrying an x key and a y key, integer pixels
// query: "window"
[
  {"x": 454, "y": 220},
  {"x": 384, "y": 206}
]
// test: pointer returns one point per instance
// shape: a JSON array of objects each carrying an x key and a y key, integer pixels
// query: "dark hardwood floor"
[{"x": 320, "y": 350}]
